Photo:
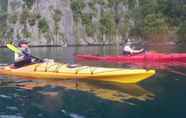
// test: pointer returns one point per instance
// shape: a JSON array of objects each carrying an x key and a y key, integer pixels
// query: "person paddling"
[
  {"x": 129, "y": 50},
  {"x": 23, "y": 58}
]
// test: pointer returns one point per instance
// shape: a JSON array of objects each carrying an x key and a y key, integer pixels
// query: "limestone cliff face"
[
  {"x": 66, "y": 23},
  {"x": 44, "y": 9},
  {"x": 69, "y": 22}
]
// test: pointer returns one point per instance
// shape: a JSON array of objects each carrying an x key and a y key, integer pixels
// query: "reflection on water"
[
  {"x": 36, "y": 98},
  {"x": 60, "y": 54},
  {"x": 108, "y": 91}
]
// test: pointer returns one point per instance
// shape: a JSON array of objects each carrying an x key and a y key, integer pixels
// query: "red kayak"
[{"x": 143, "y": 57}]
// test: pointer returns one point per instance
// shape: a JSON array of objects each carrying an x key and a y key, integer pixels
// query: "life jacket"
[{"x": 27, "y": 54}]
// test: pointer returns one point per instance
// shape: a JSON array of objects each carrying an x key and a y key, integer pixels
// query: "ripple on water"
[
  {"x": 5, "y": 96},
  {"x": 13, "y": 108},
  {"x": 72, "y": 115},
  {"x": 10, "y": 116}
]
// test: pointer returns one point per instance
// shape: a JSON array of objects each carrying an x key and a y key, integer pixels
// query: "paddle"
[{"x": 17, "y": 50}]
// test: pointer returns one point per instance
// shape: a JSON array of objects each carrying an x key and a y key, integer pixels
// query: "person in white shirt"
[{"x": 128, "y": 50}]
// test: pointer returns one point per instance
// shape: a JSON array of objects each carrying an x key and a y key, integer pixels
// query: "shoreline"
[
  {"x": 71, "y": 45},
  {"x": 85, "y": 45}
]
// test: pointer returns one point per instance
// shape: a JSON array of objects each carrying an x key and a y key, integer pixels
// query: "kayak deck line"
[
  {"x": 77, "y": 68},
  {"x": 55, "y": 67},
  {"x": 48, "y": 71}
]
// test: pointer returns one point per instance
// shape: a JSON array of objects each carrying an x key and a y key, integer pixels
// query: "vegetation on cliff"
[{"x": 99, "y": 21}]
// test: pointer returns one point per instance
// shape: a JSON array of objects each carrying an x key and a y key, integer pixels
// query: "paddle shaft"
[
  {"x": 17, "y": 50},
  {"x": 41, "y": 60}
]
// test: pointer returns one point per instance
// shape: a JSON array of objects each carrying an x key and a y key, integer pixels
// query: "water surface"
[{"x": 159, "y": 97}]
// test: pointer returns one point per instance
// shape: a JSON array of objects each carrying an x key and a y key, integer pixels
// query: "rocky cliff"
[
  {"x": 68, "y": 22},
  {"x": 74, "y": 22},
  {"x": 42, "y": 21}
]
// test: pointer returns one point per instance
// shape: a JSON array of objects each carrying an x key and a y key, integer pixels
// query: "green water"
[{"x": 162, "y": 96}]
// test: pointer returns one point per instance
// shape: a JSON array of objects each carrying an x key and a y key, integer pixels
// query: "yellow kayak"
[{"x": 64, "y": 71}]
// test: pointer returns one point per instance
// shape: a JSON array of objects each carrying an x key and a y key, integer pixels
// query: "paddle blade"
[{"x": 13, "y": 48}]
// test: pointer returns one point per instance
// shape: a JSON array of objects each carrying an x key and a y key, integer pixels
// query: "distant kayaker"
[
  {"x": 23, "y": 58},
  {"x": 129, "y": 50}
]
